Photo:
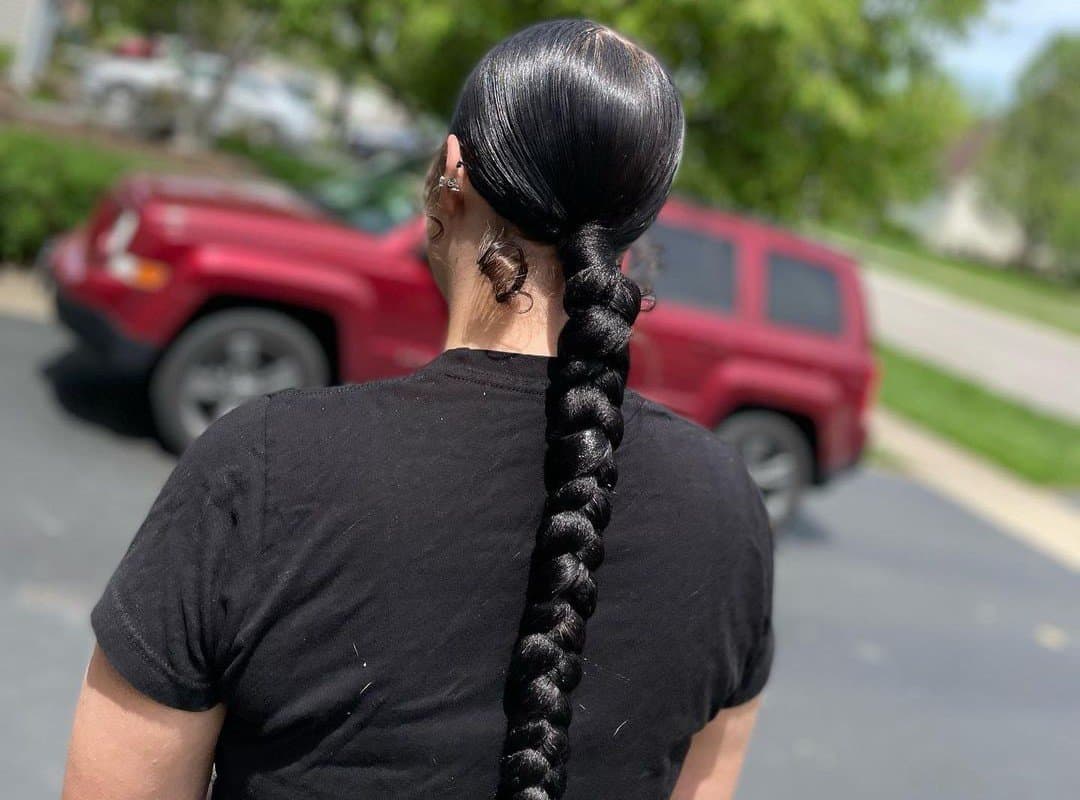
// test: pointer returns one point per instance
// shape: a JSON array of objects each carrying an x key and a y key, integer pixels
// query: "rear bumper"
[
  {"x": 823, "y": 477},
  {"x": 94, "y": 328},
  {"x": 845, "y": 459},
  {"x": 81, "y": 297}
]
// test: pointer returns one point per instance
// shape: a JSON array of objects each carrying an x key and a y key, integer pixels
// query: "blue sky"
[{"x": 994, "y": 53}]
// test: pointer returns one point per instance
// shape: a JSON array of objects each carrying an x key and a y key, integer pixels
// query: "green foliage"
[
  {"x": 47, "y": 186},
  {"x": 1033, "y": 168},
  {"x": 207, "y": 23},
  {"x": 7, "y": 56},
  {"x": 111, "y": 19},
  {"x": 794, "y": 107},
  {"x": 1038, "y": 447},
  {"x": 830, "y": 107}
]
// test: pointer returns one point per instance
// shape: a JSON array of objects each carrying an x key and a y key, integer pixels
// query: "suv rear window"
[
  {"x": 693, "y": 268},
  {"x": 804, "y": 295}
]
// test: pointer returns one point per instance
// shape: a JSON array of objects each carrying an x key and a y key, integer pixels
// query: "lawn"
[
  {"x": 1036, "y": 446},
  {"x": 1025, "y": 295}
]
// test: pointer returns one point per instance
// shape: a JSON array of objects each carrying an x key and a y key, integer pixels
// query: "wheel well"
[
  {"x": 801, "y": 421},
  {"x": 322, "y": 325}
]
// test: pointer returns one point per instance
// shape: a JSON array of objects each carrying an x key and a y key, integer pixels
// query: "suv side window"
[
  {"x": 804, "y": 295},
  {"x": 693, "y": 268}
]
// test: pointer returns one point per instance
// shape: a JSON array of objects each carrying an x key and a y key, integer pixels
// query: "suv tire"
[
  {"x": 224, "y": 359},
  {"x": 777, "y": 455}
]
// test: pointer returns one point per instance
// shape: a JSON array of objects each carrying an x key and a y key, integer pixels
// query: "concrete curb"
[
  {"x": 23, "y": 294},
  {"x": 1034, "y": 516}
]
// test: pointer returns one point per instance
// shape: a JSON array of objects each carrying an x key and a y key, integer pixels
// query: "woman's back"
[
  {"x": 373, "y": 591},
  {"x": 345, "y": 570}
]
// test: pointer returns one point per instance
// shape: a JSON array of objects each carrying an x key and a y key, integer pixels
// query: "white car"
[
  {"x": 143, "y": 93},
  {"x": 265, "y": 109}
]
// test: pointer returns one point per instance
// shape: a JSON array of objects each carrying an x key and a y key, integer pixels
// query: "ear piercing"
[{"x": 449, "y": 183}]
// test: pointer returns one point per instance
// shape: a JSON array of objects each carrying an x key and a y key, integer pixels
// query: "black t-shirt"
[{"x": 345, "y": 570}]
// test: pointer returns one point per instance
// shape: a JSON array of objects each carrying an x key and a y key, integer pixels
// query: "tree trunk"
[
  {"x": 184, "y": 119},
  {"x": 341, "y": 107},
  {"x": 1027, "y": 259},
  {"x": 201, "y": 115}
]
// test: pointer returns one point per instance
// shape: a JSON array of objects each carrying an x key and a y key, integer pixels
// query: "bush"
[
  {"x": 48, "y": 185},
  {"x": 291, "y": 169}
]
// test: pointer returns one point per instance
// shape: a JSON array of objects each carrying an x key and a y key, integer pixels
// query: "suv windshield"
[{"x": 376, "y": 199}]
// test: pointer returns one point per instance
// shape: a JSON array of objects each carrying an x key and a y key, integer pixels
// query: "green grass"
[
  {"x": 1036, "y": 446},
  {"x": 1034, "y": 297}
]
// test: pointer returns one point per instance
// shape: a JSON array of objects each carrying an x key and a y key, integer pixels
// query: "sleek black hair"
[{"x": 573, "y": 135}]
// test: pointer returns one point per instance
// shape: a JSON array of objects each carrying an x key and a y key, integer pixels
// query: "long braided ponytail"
[
  {"x": 573, "y": 135},
  {"x": 584, "y": 428}
]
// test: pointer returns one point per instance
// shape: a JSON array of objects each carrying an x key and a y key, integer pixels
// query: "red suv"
[{"x": 222, "y": 291}]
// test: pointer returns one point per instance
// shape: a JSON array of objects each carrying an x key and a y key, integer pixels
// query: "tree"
[
  {"x": 351, "y": 38},
  {"x": 831, "y": 107},
  {"x": 793, "y": 106},
  {"x": 1033, "y": 166},
  {"x": 235, "y": 28}
]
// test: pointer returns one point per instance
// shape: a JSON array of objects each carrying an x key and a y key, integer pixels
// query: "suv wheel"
[
  {"x": 225, "y": 359},
  {"x": 777, "y": 456}
]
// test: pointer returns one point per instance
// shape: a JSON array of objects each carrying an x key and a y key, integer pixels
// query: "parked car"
[
  {"x": 220, "y": 293},
  {"x": 144, "y": 94}
]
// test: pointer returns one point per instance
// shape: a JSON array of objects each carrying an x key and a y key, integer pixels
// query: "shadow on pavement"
[
  {"x": 86, "y": 389},
  {"x": 803, "y": 529}
]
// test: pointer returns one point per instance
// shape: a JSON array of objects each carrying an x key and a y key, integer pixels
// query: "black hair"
[{"x": 573, "y": 135}]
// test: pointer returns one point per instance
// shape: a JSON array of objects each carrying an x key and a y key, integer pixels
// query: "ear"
[{"x": 453, "y": 167}]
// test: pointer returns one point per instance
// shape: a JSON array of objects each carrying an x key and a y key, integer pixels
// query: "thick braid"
[{"x": 584, "y": 427}]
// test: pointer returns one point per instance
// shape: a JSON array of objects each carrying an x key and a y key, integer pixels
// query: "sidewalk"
[
  {"x": 22, "y": 294},
  {"x": 1029, "y": 363}
]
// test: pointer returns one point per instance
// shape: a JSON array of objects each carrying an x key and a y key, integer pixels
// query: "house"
[
  {"x": 27, "y": 31},
  {"x": 960, "y": 219}
]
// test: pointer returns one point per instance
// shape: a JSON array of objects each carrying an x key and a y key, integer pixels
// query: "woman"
[{"x": 327, "y": 598}]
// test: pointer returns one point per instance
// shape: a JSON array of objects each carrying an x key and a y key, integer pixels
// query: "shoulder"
[
  {"x": 233, "y": 443},
  {"x": 702, "y": 474},
  {"x": 248, "y": 432},
  {"x": 316, "y": 411},
  {"x": 677, "y": 440}
]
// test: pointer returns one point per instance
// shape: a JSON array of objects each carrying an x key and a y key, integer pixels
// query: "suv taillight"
[
  {"x": 100, "y": 222},
  {"x": 114, "y": 244}
]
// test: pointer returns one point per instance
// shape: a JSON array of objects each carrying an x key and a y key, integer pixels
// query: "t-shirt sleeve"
[
  {"x": 162, "y": 620},
  {"x": 748, "y": 640}
]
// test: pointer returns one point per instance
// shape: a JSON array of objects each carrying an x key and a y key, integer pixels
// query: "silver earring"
[{"x": 449, "y": 183}]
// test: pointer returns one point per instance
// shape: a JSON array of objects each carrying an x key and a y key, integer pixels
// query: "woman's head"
[
  {"x": 563, "y": 127},
  {"x": 564, "y": 144}
]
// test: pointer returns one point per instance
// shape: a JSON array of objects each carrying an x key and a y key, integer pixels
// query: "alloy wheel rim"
[
  {"x": 228, "y": 373},
  {"x": 774, "y": 469}
]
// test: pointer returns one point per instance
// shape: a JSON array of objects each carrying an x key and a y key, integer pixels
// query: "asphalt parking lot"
[{"x": 922, "y": 653}]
